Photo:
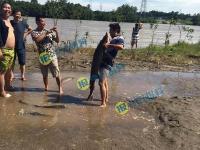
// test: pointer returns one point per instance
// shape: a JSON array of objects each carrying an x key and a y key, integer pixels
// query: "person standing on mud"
[
  {"x": 44, "y": 40},
  {"x": 7, "y": 44},
  {"x": 116, "y": 43},
  {"x": 135, "y": 35},
  {"x": 20, "y": 35}
]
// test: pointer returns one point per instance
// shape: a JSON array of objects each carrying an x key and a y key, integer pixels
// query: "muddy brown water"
[
  {"x": 27, "y": 123},
  {"x": 68, "y": 29}
]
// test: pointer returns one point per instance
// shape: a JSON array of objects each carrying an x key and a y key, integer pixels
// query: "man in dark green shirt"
[{"x": 20, "y": 26}]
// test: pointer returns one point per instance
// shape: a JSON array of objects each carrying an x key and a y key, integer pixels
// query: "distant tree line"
[{"x": 65, "y": 10}]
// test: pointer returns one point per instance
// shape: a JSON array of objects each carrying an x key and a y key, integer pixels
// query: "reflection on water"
[{"x": 82, "y": 124}]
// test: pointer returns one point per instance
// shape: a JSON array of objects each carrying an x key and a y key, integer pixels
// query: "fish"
[{"x": 96, "y": 61}]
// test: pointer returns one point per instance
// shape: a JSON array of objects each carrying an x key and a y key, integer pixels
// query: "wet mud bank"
[{"x": 37, "y": 120}]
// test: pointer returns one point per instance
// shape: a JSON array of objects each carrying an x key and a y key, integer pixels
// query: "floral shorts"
[{"x": 7, "y": 61}]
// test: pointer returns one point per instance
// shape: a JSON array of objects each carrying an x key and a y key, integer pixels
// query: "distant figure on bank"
[
  {"x": 116, "y": 43},
  {"x": 135, "y": 35},
  {"x": 7, "y": 44},
  {"x": 20, "y": 26},
  {"x": 48, "y": 60}
]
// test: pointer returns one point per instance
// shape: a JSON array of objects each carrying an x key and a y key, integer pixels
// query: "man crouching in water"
[
  {"x": 7, "y": 44},
  {"x": 116, "y": 43}
]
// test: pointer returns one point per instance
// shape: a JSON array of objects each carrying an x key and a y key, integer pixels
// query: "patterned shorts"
[
  {"x": 7, "y": 61},
  {"x": 53, "y": 67}
]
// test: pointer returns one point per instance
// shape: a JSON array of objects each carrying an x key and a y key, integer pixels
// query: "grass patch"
[{"x": 180, "y": 53}]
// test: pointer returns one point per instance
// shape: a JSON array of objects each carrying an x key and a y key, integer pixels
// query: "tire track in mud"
[{"x": 180, "y": 121}]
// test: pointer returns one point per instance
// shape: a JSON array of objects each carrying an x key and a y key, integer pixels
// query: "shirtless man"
[{"x": 7, "y": 44}]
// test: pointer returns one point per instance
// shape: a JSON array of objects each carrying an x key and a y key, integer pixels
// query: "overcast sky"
[{"x": 183, "y": 6}]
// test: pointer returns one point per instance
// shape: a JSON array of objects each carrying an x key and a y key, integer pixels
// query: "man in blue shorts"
[
  {"x": 20, "y": 26},
  {"x": 115, "y": 43}
]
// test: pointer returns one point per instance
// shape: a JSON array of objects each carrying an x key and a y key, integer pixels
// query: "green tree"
[
  {"x": 196, "y": 19},
  {"x": 34, "y": 1},
  {"x": 127, "y": 13}
]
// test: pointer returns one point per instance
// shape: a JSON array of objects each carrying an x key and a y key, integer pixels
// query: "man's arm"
[
  {"x": 39, "y": 38},
  {"x": 117, "y": 46},
  {"x": 1, "y": 45},
  {"x": 29, "y": 30},
  {"x": 57, "y": 39}
]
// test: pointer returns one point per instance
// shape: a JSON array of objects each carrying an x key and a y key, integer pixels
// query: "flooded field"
[
  {"x": 68, "y": 30},
  {"x": 36, "y": 120}
]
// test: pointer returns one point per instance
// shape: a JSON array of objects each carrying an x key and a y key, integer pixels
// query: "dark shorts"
[
  {"x": 103, "y": 73},
  {"x": 21, "y": 56}
]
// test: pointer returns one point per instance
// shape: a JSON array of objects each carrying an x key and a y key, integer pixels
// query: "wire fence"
[{"x": 71, "y": 31}]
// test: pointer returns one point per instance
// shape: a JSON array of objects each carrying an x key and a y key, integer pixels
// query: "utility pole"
[
  {"x": 143, "y": 6},
  {"x": 101, "y": 7}
]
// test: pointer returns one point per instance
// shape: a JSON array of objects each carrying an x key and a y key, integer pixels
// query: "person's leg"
[
  {"x": 59, "y": 83},
  {"x": 2, "y": 85},
  {"x": 8, "y": 79},
  {"x": 45, "y": 80},
  {"x": 2, "y": 91},
  {"x": 106, "y": 85},
  {"x": 22, "y": 69},
  {"x": 44, "y": 71},
  {"x": 53, "y": 66},
  {"x": 9, "y": 58},
  {"x": 21, "y": 58},
  {"x": 103, "y": 92},
  {"x": 103, "y": 74},
  {"x": 13, "y": 65}
]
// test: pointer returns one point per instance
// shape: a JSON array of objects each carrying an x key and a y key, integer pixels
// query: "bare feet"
[
  {"x": 107, "y": 100},
  {"x": 4, "y": 94},
  {"x": 103, "y": 105},
  {"x": 23, "y": 78}
]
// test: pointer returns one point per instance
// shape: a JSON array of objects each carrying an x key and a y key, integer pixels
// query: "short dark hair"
[
  {"x": 2, "y": 4},
  {"x": 37, "y": 18},
  {"x": 137, "y": 25},
  {"x": 115, "y": 26},
  {"x": 15, "y": 11}
]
